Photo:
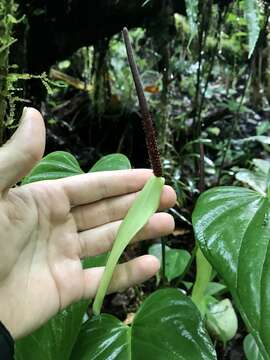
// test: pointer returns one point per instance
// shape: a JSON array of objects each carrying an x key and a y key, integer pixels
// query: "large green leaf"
[
  {"x": 176, "y": 260},
  {"x": 167, "y": 326},
  {"x": 233, "y": 230},
  {"x": 251, "y": 10},
  {"x": 111, "y": 162},
  {"x": 56, "y": 165},
  {"x": 144, "y": 206}
]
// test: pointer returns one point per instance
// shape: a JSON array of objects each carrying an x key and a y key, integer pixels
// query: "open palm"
[{"x": 47, "y": 227}]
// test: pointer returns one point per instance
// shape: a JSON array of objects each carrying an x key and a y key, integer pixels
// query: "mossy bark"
[{"x": 6, "y": 11}]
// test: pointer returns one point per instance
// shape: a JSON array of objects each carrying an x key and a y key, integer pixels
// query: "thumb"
[{"x": 24, "y": 149}]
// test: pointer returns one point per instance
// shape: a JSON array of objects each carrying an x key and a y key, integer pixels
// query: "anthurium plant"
[{"x": 231, "y": 226}]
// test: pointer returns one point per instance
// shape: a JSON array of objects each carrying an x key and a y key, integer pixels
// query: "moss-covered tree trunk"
[{"x": 7, "y": 9}]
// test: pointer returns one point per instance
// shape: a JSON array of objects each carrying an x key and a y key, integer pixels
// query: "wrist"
[{"x": 6, "y": 343}]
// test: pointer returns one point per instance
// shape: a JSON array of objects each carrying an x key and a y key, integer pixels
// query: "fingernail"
[{"x": 23, "y": 114}]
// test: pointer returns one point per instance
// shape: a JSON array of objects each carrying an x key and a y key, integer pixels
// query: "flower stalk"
[{"x": 147, "y": 121}]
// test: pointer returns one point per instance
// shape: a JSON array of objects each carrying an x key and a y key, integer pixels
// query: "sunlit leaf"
[
  {"x": 192, "y": 14},
  {"x": 251, "y": 10},
  {"x": 263, "y": 139},
  {"x": 256, "y": 180},
  {"x": 262, "y": 165},
  {"x": 152, "y": 89}
]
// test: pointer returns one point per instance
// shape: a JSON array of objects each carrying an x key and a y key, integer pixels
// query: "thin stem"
[
  {"x": 148, "y": 127},
  {"x": 163, "y": 252},
  {"x": 203, "y": 277}
]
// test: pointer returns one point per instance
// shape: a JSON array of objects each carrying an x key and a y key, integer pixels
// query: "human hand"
[{"x": 47, "y": 227}]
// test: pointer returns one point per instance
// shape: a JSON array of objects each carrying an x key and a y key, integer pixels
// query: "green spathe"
[{"x": 145, "y": 205}]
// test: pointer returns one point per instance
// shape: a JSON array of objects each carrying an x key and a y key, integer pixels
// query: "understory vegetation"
[{"x": 206, "y": 77}]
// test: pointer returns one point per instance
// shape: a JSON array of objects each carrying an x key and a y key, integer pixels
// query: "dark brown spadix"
[{"x": 148, "y": 127}]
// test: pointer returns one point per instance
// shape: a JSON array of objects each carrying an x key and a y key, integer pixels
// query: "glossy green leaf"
[
  {"x": 55, "y": 339},
  {"x": 167, "y": 326},
  {"x": 192, "y": 14},
  {"x": 232, "y": 227},
  {"x": 111, "y": 162},
  {"x": 251, "y": 349},
  {"x": 176, "y": 260},
  {"x": 142, "y": 209},
  {"x": 255, "y": 179},
  {"x": 262, "y": 165},
  {"x": 263, "y": 139},
  {"x": 56, "y": 165},
  {"x": 251, "y": 10},
  {"x": 60, "y": 164}
]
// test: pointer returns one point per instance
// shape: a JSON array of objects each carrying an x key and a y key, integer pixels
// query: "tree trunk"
[{"x": 5, "y": 42}]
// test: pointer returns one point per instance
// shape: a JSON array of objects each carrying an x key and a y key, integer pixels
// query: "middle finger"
[{"x": 113, "y": 209}]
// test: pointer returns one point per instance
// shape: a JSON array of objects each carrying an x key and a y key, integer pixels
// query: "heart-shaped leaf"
[
  {"x": 232, "y": 227},
  {"x": 56, "y": 165},
  {"x": 167, "y": 326},
  {"x": 111, "y": 162},
  {"x": 60, "y": 164},
  {"x": 176, "y": 260}
]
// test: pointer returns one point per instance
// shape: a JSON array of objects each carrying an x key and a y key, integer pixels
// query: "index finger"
[{"x": 91, "y": 187}]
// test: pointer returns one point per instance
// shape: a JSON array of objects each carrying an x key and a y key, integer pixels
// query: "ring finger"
[{"x": 100, "y": 240}]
